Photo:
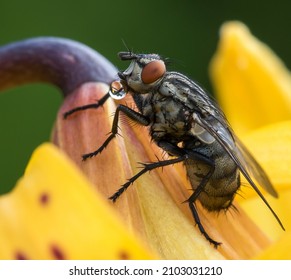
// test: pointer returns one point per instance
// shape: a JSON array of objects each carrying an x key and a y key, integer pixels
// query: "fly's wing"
[
  {"x": 246, "y": 163},
  {"x": 237, "y": 153},
  {"x": 213, "y": 120},
  {"x": 254, "y": 168}
]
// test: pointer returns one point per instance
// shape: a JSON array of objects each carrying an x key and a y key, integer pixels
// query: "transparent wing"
[
  {"x": 213, "y": 120},
  {"x": 254, "y": 168},
  {"x": 245, "y": 162}
]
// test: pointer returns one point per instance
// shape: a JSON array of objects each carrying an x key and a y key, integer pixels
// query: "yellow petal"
[
  {"x": 271, "y": 145},
  {"x": 54, "y": 213},
  {"x": 252, "y": 84},
  {"x": 281, "y": 250}
]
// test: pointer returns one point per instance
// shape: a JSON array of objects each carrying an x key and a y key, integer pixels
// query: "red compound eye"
[{"x": 153, "y": 71}]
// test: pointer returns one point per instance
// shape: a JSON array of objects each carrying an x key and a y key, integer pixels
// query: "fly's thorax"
[
  {"x": 169, "y": 119},
  {"x": 224, "y": 182},
  {"x": 184, "y": 90},
  {"x": 173, "y": 86}
]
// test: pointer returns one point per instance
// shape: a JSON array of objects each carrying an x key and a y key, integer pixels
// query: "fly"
[{"x": 187, "y": 124}]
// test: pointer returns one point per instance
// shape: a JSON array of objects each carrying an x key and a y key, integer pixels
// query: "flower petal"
[
  {"x": 146, "y": 207},
  {"x": 272, "y": 147},
  {"x": 152, "y": 206},
  {"x": 280, "y": 250},
  {"x": 252, "y": 84},
  {"x": 54, "y": 213}
]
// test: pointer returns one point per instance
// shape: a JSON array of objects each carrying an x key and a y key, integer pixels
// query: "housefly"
[{"x": 186, "y": 123}]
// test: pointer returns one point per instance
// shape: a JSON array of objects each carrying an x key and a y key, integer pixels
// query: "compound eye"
[{"x": 153, "y": 71}]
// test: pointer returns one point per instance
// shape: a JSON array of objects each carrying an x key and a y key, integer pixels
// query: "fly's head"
[{"x": 144, "y": 73}]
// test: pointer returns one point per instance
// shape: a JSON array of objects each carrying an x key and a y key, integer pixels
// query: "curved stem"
[{"x": 65, "y": 63}]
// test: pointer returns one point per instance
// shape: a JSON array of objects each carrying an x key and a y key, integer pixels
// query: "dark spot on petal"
[
  {"x": 44, "y": 198},
  {"x": 20, "y": 256},
  {"x": 57, "y": 253},
  {"x": 123, "y": 255}
]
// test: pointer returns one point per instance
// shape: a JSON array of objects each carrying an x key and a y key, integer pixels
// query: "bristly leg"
[
  {"x": 136, "y": 116},
  {"x": 200, "y": 226},
  {"x": 100, "y": 149},
  {"x": 191, "y": 202},
  {"x": 147, "y": 167}
]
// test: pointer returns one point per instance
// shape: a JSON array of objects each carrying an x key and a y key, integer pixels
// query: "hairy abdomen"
[{"x": 219, "y": 191}]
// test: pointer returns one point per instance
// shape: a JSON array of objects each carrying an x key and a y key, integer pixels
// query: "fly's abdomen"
[{"x": 221, "y": 187}]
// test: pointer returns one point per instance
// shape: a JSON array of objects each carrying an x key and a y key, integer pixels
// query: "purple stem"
[{"x": 65, "y": 63}]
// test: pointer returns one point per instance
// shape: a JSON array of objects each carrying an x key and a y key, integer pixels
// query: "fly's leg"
[
  {"x": 191, "y": 202},
  {"x": 200, "y": 226},
  {"x": 174, "y": 150},
  {"x": 136, "y": 116},
  {"x": 95, "y": 105},
  {"x": 147, "y": 167}
]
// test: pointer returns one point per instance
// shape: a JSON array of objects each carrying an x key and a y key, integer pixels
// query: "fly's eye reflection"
[
  {"x": 153, "y": 71},
  {"x": 185, "y": 123}
]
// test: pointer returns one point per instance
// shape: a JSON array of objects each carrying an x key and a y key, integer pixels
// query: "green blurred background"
[{"x": 185, "y": 30}]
